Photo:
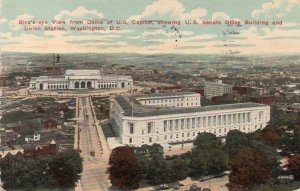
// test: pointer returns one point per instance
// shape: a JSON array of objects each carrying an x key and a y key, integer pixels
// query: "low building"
[
  {"x": 34, "y": 137},
  {"x": 137, "y": 123},
  {"x": 266, "y": 99},
  {"x": 7, "y": 153},
  {"x": 212, "y": 89},
  {"x": 49, "y": 124},
  {"x": 81, "y": 79},
  {"x": 34, "y": 150}
]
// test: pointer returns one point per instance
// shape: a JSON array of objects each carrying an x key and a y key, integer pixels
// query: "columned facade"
[
  {"x": 81, "y": 79},
  {"x": 164, "y": 125}
]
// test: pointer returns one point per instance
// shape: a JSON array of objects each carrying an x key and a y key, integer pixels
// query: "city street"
[{"x": 94, "y": 152}]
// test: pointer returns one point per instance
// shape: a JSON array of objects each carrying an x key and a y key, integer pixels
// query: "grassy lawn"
[{"x": 108, "y": 131}]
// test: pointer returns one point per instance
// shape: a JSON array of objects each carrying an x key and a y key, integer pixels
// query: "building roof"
[
  {"x": 82, "y": 73},
  {"x": 162, "y": 95},
  {"x": 132, "y": 107}
]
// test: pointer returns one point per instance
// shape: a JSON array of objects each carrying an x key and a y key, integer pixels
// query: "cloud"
[
  {"x": 14, "y": 24},
  {"x": 291, "y": 4},
  {"x": 278, "y": 7},
  {"x": 161, "y": 32},
  {"x": 171, "y": 9},
  {"x": 77, "y": 13},
  {"x": 220, "y": 16},
  {"x": 5, "y": 34},
  {"x": 3, "y": 20},
  {"x": 134, "y": 37}
]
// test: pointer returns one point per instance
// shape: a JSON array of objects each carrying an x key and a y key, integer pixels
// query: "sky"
[{"x": 157, "y": 38}]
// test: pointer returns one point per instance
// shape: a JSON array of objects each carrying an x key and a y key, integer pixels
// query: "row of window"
[
  {"x": 107, "y": 85},
  {"x": 166, "y": 100},
  {"x": 199, "y": 122},
  {"x": 220, "y": 131},
  {"x": 208, "y": 121},
  {"x": 57, "y": 86}
]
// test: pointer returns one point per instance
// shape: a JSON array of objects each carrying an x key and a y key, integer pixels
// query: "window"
[
  {"x": 130, "y": 140},
  {"x": 209, "y": 121},
  {"x": 260, "y": 115},
  {"x": 193, "y": 122},
  {"x": 224, "y": 119},
  {"x": 177, "y": 135},
  {"x": 131, "y": 128},
  {"x": 176, "y": 124},
  {"x": 165, "y": 137},
  {"x": 234, "y": 118},
  {"x": 182, "y": 134},
  {"x": 219, "y": 119},
  {"x": 249, "y": 117},
  {"x": 165, "y": 125},
  {"x": 214, "y": 120},
  {"x": 182, "y": 123},
  {"x": 150, "y": 139},
  {"x": 188, "y": 134},
  {"x": 188, "y": 123},
  {"x": 171, "y": 125},
  {"x": 149, "y": 125},
  {"x": 204, "y": 121}
]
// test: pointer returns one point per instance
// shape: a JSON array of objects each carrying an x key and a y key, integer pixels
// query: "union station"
[{"x": 81, "y": 79}]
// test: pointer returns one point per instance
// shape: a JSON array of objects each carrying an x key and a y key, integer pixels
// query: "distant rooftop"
[
  {"x": 132, "y": 107},
  {"x": 82, "y": 73}
]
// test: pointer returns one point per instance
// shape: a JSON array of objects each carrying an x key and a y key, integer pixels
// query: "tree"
[
  {"x": 271, "y": 155},
  {"x": 217, "y": 162},
  {"x": 212, "y": 161},
  {"x": 152, "y": 90},
  {"x": 177, "y": 170},
  {"x": 294, "y": 166},
  {"x": 124, "y": 170},
  {"x": 148, "y": 150},
  {"x": 235, "y": 140},
  {"x": 60, "y": 171},
  {"x": 198, "y": 163},
  {"x": 65, "y": 168},
  {"x": 155, "y": 169},
  {"x": 206, "y": 141},
  {"x": 271, "y": 135},
  {"x": 249, "y": 169},
  {"x": 290, "y": 143},
  {"x": 25, "y": 173}
]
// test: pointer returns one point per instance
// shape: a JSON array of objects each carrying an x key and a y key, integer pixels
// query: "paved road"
[{"x": 94, "y": 175}]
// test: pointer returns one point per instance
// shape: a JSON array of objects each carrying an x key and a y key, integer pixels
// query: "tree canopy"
[
  {"x": 59, "y": 171},
  {"x": 124, "y": 170},
  {"x": 249, "y": 169}
]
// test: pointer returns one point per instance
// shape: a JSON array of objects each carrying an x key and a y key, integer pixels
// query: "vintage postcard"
[{"x": 191, "y": 95}]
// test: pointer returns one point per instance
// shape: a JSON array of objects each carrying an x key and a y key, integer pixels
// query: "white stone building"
[
  {"x": 137, "y": 124},
  {"x": 176, "y": 99},
  {"x": 217, "y": 88},
  {"x": 81, "y": 79}
]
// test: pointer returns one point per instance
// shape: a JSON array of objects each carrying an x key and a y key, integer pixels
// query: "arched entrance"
[
  {"x": 89, "y": 84},
  {"x": 82, "y": 84},
  {"x": 76, "y": 85},
  {"x": 123, "y": 84},
  {"x": 41, "y": 86}
]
